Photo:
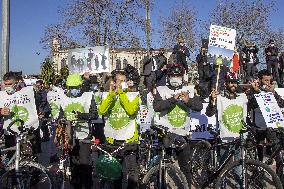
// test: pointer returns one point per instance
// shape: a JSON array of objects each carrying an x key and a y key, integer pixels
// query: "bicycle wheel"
[
  {"x": 257, "y": 175},
  {"x": 172, "y": 178},
  {"x": 202, "y": 162},
  {"x": 30, "y": 175}
]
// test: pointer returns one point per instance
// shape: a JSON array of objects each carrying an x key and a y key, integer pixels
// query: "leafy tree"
[
  {"x": 180, "y": 22},
  {"x": 249, "y": 18},
  {"x": 95, "y": 22},
  {"x": 47, "y": 71}
]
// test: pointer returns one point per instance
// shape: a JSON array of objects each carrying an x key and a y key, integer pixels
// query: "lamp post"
[{"x": 5, "y": 36}]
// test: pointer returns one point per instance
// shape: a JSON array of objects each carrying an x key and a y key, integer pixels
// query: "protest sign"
[
  {"x": 22, "y": 105},
  {"x": 89, "y": 59},
  {"x": 270, "y": 110},
  {"x": 221, "y": 43},
  {"x": 280, "y": 91}
]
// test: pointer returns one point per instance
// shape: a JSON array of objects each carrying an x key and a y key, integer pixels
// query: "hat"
[
  {"x": 74, "y": 80},
  {"x": 175, "y": 69}
]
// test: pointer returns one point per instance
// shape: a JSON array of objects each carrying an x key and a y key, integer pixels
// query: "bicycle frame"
[{"x": 231, "y": 154}]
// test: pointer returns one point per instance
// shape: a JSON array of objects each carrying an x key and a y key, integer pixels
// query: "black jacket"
[
  {"x": 42, "y": 105},
  {"x": 201, "y": 60},
  {"x": 274, "y": 53},
  {"x": 180, "y": 56}
]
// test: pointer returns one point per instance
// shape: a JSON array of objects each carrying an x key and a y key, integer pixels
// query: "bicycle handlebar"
[{"x": 13, "y": 123}]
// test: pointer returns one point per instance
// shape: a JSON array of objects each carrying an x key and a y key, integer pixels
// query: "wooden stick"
[{"x": 217, "y": 82}]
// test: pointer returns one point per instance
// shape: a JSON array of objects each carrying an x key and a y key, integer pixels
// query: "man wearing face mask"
[
  {"x": 119, "y": 108},
  {"x": 81, "y": 170},
  {"x": 173, "y": 104},
  {"x": 264, "y": 84},
  {"x": 11, "y": 86},
  {"x": 271, "y": 53}
]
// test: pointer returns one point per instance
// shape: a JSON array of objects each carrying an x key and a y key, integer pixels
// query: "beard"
[{"x": 232, "y": 89}]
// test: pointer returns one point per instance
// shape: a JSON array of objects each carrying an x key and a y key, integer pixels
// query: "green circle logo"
[
  {"x": 98, "y": 99},
  {"x": 73, "y": 107},
  {"x": 54, "y": 110},
  {"x": 118, "y": 118},
  {"x": 20, "y": 112},
  {"x": 232, "y": 118},
  {"x": 177, "y": 117}
]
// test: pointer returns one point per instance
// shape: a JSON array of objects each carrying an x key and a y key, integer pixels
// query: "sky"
[{"x": 30, "y": 17}]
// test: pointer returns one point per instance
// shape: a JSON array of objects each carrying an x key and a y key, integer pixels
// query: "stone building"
[{"x": 119, "y": 57}]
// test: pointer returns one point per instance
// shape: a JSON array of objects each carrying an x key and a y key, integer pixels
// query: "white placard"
[{"x": 270, "y": 110}]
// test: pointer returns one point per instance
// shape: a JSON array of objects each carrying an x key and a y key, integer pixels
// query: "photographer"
[
  {"x": 251, "y": 59},
  {"x": 271, "y": 53},
  {"x": 181, "y": 52},
  {"x": 203, "y": 71}
]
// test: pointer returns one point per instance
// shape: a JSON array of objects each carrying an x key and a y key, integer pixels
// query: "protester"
[
  {"x": 81, "y": 170},
  {"x": 117, "y": 106},
  {"x": 174, "y": 103},
  {"x": 264, "y": 84}
]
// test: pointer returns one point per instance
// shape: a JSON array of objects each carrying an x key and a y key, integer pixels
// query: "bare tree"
[
  {"x": 180, "y": 22},
  {"x": 95, "y": 22},
  {"x": 249, "y": 18}
]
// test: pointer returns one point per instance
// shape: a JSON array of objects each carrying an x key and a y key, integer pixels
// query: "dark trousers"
[
  {"x": 250, "y": 70},
  {"x": 183, "y": 162},
  {"x": 150, "y": 80},
  {"x": 272, "y": 65}
]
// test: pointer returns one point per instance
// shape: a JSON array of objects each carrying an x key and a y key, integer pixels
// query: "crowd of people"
[{"x": 113, "y": 119}]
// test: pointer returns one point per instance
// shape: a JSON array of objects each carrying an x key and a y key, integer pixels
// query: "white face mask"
[
  {"x": 124, "y": 85},
  {"x": 175, "y": 81},
  {"x": 10, "y": 90}
]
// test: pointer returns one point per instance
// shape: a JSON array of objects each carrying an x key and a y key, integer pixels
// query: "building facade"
[{"x": 118, "y": 57}]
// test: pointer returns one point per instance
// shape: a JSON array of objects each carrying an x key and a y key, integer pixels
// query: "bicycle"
[
  {"x": 21, "y": 172},
  {"x": 107, "y": 167},
  {"x": 162, "y": 172},
  {"x": 207, "y": 172}
]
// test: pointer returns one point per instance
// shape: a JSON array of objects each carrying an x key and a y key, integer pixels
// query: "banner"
[
  {"x": 30, "y": 82},
  {"x": 22, "y": 105},
  {"x": 200, "y": 123},
  {"x": 119, "y": 125},
  {"x": 221, "y": 44},
  {"x": 231, "y": 113},
  {"x": 89, "y": 59},
  {"x": 270, "y": 110}
]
